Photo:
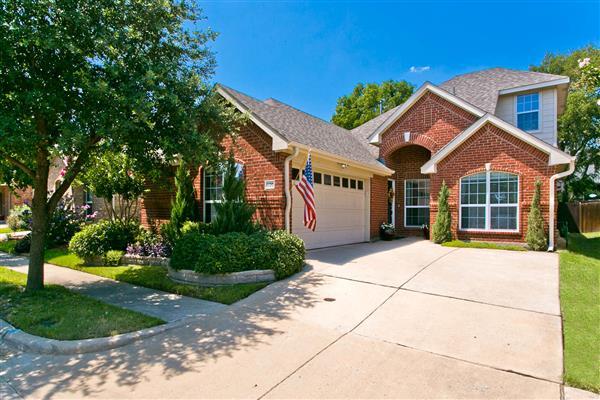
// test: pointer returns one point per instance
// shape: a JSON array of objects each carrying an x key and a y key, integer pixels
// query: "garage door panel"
[{"x": 341, "y": 217}]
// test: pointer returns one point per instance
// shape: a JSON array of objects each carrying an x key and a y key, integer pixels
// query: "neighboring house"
[
  {"x": 489, "y": 135},
  {"x": 80, "y": 196}
]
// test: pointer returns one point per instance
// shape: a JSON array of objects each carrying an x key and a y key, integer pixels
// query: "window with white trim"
[
  {"x": 416, "y": 203},
  {"x": 213, "y": 189},
  {"x": 528, "y": 111},
  {"x": 89, "y": 202},
  {"x": 489, "y": 201}
]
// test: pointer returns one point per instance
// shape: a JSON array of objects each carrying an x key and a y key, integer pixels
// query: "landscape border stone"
[
  {"x": 27, "y": 342},
  {"x": 191, "y": 277}
]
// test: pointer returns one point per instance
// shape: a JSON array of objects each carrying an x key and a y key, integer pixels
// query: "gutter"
[
  {"x": 288, "y": 195},
  {"x": 553, "y": 178},
  {"x": 375, "y": 169}
]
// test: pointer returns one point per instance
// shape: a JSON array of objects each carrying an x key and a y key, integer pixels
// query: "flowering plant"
[
  {"x": 387, "y": 227},
  {"x": 148, "y": 244},
  {"x": 66, "y": 221}
]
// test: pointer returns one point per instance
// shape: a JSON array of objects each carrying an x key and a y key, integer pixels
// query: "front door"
[{"x": 391, "y": 211}]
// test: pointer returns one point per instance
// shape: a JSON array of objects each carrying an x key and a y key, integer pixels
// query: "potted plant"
[
  {"x": 387, "y": 231},
  {"x": 425, "y": 229}
]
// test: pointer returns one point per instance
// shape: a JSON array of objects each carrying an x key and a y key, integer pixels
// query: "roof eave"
[
  {"x": 279, "y": 142},
  {"x": 523, "y": 88},
  {"x": 378, "y": 169}
]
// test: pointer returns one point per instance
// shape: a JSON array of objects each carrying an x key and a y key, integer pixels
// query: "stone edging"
[
  {"x": 130, "y": 260},
  {"x": 36, "y": 344},
  {"x": 194, "y": 278}
]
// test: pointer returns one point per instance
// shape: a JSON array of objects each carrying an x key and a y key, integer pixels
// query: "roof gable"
[
  {"x": 425, "y": 88},
  {"x": 555, "y": 156}
]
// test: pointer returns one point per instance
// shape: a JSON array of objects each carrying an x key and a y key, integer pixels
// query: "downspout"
[
  {"x": 553, "y": 179},
  {"x": 288, "y": 195}
]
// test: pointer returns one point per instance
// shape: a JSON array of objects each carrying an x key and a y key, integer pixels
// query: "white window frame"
[
  {"x": 539, "y": 111},
  {"x": 240, "y": 171},
  {"x": 488, "y": 205},
  {"x": 404, "y": 200}
]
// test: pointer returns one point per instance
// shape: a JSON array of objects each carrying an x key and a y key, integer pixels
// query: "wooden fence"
[{"x": 585, "y": 215}]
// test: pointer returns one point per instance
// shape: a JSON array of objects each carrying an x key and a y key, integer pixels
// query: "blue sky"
[{"x": 307, "y": 54}]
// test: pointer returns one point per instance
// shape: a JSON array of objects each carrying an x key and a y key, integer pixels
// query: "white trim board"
[
  {"x": 426, "y": 87},
  {"x": 556, "y": 156},
  {"x": 279, "y": 143},
  {"x": 556, "y": 82}
]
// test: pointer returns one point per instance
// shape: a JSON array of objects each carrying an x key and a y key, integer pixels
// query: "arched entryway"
[{"x": 408, "y": 206}]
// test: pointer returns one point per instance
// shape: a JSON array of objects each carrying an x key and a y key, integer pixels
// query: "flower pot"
[
  {"x": 387, "y": 234},
  {"x": 426, "y": 232}
]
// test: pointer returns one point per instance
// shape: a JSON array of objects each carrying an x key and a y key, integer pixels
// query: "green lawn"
[
  {"x": 155, "y": 278},
  {"x": 580, "y": 305},
  {"x": 484, "y": 245},
  {"x": 57, "y": 313},
  {"x": 8, "y": 246}
]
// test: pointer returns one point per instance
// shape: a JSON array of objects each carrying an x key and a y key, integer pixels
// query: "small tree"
[
  {"x": 113, "y": 178},
  {"x": 536, "y": 237},
  {"x": 183, "y": 208},
  {"x": 233, "y": 213},
  {"x": 441, "y": 229}
]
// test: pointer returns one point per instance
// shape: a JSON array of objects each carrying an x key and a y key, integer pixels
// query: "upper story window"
[
  {"x": 528, "y": 112},
  {"x": 489, "y": 201}
]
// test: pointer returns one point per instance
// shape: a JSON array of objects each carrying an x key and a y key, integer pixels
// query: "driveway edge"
[{"x": 26, "y": 342}]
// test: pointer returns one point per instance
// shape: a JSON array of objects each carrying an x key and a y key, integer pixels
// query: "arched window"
[{"x": 489, "y": 201}]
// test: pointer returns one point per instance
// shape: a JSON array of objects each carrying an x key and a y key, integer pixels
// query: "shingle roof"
[
  {"x": 481, "y": 88},
  {"x": 365, "y": 130},
  {"x": 300, "y": 127}
]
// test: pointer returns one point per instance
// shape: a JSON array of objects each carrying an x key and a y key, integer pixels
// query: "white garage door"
[{"x": 341, "y": 214}]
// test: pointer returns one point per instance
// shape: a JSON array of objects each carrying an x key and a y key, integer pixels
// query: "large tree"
[
  {"x": 368, "y": 101},
  {"x": 579, "y": 126},
  {"x": 80, "y": 77}
]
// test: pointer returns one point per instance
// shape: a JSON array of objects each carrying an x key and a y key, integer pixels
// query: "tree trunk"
[{"x": 39, "y": 214}]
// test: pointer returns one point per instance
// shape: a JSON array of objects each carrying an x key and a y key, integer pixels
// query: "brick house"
[{"x": 489, "y": 135}]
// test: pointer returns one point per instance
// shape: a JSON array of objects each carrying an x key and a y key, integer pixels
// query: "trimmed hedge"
[
  {"x": 98, "y": 239},
  {"x": 236, "y": 251}
]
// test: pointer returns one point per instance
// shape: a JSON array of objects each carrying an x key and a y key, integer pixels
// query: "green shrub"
[
  {"x": 113, "y": 257},
  {"x": 536, "y": 236},
  {"x": 237, "y": 251},
  {"x": 441, "y": 228},
  {"x": 234, "y": 214},
  {"x": 184, "y": 207},
  {"x": 19, "y": 218},
  {"x": 23, "y": 245},
  {"x": 97, "y": 239},
  {"x": 198, "y": 227}
]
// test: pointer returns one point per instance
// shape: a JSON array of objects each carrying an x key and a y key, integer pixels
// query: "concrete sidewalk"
[{"x": 166, "y": 306}]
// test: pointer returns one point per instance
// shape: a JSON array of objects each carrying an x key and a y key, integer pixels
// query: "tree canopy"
[
  {"x": 579, "y": 126},
  {"x": 370, "y": 100},
  {"x": 81, "y": 77}
]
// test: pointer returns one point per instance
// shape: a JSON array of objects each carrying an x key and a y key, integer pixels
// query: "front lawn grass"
[
  {"x": 484, "y": 245},
  {"x": 8, "y": 246},
  {"x": 58, "y": 313},
  {"x": 154, "y": 277},
  {"x": 580, "y": 305}
]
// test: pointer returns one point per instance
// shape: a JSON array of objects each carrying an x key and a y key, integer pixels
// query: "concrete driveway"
[{"x": 401, "y": 319}]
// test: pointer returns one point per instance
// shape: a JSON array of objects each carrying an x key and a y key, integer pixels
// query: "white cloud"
[{"x": 417, "y": 70}]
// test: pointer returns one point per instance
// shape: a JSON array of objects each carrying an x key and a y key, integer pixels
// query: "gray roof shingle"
[
  {"x": 481, "y": 88},
  {"x": 365, "y": 130},
  {"x": 297, "y": 126}
]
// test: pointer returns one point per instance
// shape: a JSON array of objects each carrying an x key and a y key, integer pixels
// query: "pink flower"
[
  {"x": 584, "y": 62},
  {"x": 63, "y": 172}
]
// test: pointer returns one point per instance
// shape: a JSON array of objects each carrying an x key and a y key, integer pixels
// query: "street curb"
[{"x": 26, "y": 342}]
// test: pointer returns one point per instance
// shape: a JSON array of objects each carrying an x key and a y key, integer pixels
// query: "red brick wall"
[
  {"x": 407, "y": 162},
  {"x": 378, "y": 212},
  {"x": 506, "y": 154},
  {"x": 252, "y": 148},
  {"x": 431, "y": 121}
]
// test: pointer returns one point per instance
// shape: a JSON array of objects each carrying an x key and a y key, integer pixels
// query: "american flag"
[{"x": 306, "y": 189}]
